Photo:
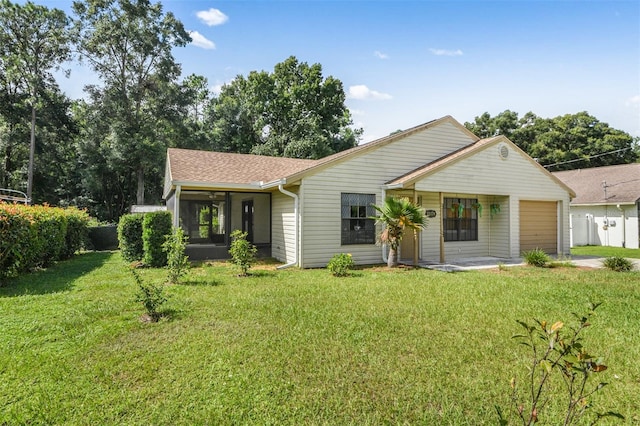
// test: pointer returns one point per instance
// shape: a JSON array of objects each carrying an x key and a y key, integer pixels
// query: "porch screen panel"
[
  {"x": 356, "y": 210},
  {"x": 460, "y": 219}
]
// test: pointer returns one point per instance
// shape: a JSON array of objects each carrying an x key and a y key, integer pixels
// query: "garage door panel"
[{"x": 538, "y": 226}]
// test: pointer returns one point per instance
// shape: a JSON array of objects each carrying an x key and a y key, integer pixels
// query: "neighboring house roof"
[{"x": 622, "y": 184}]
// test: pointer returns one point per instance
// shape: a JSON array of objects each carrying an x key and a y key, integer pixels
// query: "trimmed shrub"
[
  {"x": 618, "y": 264},
  {"x": 340, "y": 264},
  {"x": 156, "y": 226},
  {"x": 130, "y": 237},
  {"x": 77, "y": 232},
  {"x": 16, "y": 227},
  {"x": 33, "y": 236},
  {"x": 536, "y": 257},
  {"x": 48, "y": 235}
]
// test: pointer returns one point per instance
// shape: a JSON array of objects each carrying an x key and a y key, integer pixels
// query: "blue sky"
[{"x": 404, "y": 63}]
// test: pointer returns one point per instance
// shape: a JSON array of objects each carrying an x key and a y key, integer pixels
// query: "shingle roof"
[
  {"x": 208, "y": 167},
  {"x": 186, "y": 165},
  {"x": 622, "y": 181}
]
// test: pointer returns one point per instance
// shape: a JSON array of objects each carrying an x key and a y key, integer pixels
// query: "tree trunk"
[
  {"x": 32, "y": 152},
  {"x": 140, "y": 193},
  {"x": 392, "y": 259}
]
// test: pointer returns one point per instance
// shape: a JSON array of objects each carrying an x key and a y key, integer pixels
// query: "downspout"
[
  {"x": 176, "y": 207},
  {"x": 415, "y": 233},
  {"x": 624, "y": 230},
  {"x": 297, "y": 225}
]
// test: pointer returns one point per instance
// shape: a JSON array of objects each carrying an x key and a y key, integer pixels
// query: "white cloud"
[
  {"x": 444, "y": 52},
  {"x": 216, "y": 89},
  {"x": 199, "y": 40},
  {"x": 633, "y": 101},
  {"x": 212, "y": 17},
  {"x": 357, "y": 112},
  {"x": 380, "y": 55},
  {"x": 363, "y": 92}
]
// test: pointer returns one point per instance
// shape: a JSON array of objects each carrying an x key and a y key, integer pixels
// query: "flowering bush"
[{"x": 340, "y": 264}]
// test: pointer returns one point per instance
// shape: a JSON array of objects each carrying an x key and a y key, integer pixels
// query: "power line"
[{"x": 587, "y": 158}]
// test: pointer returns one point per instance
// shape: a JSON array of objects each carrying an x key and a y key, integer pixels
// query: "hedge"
[
  {"x": 141, "y": 237},
  {"x": 35, "y": 236},
  {"x": 156, "y": 226},
  {"x": 130, "y": 237}
]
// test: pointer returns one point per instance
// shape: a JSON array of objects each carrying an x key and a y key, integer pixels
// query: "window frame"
[
  {"x": 460, "y": 228},
  {"x": 356, "y": 225}
]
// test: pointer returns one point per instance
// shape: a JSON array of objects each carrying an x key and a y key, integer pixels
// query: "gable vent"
[{"x": 503, "y": 151}]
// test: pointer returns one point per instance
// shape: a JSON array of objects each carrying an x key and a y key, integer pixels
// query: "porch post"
[
  {"x": 176, "y": 207},
  {"x": 415, "y": 233},
  {"x": 442, "y": 260}
]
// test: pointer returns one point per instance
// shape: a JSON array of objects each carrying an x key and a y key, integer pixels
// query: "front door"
[{"x": 247, "y": 219}]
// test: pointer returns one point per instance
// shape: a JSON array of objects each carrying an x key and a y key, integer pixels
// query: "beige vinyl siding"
[
  {"x": 499, "y": 235},
  {"x": 365, "y": 174},
  {"x": 283, "y": 242},
  {"x": 516, "y": 177},
  {"x": 430, "y": 236}
]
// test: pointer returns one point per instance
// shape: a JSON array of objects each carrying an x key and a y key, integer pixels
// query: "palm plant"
[{"x": 398, "y": 214}]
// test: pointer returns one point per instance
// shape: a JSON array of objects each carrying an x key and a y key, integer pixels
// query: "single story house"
[
  {"x": 483, "y": 197},
  {"x": 606, "y": 209}
]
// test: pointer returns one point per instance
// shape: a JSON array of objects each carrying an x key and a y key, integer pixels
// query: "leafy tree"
[
  {"x": 34, "y": 41},
  {"x": 397, "y": 215},
  {"x": 57, "y": 175},
  {"x": 129, "y": 43},
  {"x": 182, "y": 113},
  {"x": 562, "y": 143},
  {"x": 292, "y": 112}
]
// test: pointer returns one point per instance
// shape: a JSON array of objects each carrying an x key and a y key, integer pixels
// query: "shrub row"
[
  {"x": 141, "y": 237},
  {"x": 36, "y": 236}
]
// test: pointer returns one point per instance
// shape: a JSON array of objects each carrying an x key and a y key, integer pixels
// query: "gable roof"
[
  {"x": 378, "y": 143},
  {"x": 622, "y": 181},
  {"x": 465, "y": 152},
  {"x": 420, "y": 172},
  {"x": 208, "y": 168}
]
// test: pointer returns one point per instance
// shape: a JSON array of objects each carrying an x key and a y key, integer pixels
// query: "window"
[
  {"x": 460, "y": 219},
  {"x": 356, "y": 210}
]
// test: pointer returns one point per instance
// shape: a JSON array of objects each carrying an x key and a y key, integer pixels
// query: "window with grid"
[
  {"x": 356, "y": 210},
  {"x": 460, "y": 219}
]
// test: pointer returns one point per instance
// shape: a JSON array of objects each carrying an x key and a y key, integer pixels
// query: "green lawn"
[
  {"x": 297, "y": 347},
  {"x": 605, "y": 251}
]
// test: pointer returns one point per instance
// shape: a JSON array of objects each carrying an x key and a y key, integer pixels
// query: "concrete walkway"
[{"x": 458, "y": 265}]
